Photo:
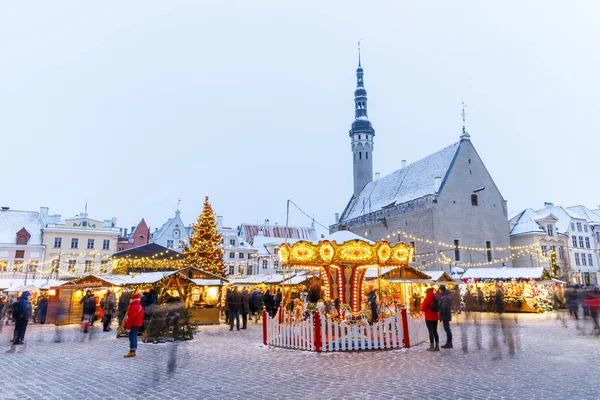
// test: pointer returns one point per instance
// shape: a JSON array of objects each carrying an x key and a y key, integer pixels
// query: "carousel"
[{"x": 344, "y": 312}]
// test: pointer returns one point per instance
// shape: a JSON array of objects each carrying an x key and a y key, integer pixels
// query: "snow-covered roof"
[
  {"x": 13, "y": 284},
  {"x": 11, "y": 222},
  {"x": 207, "y": 282},
  {"x": 250, "y": 231},
  {"x": 414, "y": 181},
  {"x": 526, "y": 223},
  {"x": 297, "y": 279},
  {"x": 261, "y": 242},
  {"x": 344, "y": 236},
  {"x": 149, "y": 277},
  {"x": 372, "y": 272},
  {"x": 584, "y": 213},
  {"x": 504, "y": 273},
  {"x": 116, "y": 280},
  {"x": 435, "y": 275}
]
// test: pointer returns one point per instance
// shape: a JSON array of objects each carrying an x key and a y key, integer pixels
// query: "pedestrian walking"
[
  {"x": 245, "y": 307},
  {"x": 431, "y": 307},
  {"x": 456, "y": 300},
  {"x": 89, "y": 310},
  {"x": 269, "y": 303},
  {"x": 446, "y": 315},
  {"x": 593, "y": 303},
  {"x": 6, "y": 311},
  {"x": 43, "y": 309},
  {"x": 372, "y": 300},
  {"x": 234, "y": 304},
  {"x": 21, "y": 314},
  {"x": 277, "y": 301},
  {"x": 499, "y": 299},
  {"x": 108, "y": 304},
  {"x": 480, "y": 299},
  {"x": 134, "y": 321},
  {"x": 573, "y": 302},
  {"x": 124, "y": 300}
]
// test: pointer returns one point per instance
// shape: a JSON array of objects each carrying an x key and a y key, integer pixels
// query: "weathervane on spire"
[
  {"x": 178, "y": 201},
  {"x": 359, "y": 51},
  {"x": 464, "y": 114}
]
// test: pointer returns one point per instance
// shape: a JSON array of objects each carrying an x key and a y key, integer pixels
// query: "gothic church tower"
[{"x": 361, "y": 135}]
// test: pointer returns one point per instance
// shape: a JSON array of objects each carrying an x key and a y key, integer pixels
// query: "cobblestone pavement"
[{"x": 534, "y": 358}]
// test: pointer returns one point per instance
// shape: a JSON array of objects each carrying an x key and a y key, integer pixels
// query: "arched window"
[
  {"x": 358, "y": 137},
  {"x": 367, "y": 154},
  {"x": 360, "y": 155}
]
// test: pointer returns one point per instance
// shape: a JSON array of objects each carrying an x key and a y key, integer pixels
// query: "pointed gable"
[
  {"x": 23, "y": 236},
  {"x": 414, "y": 181}
]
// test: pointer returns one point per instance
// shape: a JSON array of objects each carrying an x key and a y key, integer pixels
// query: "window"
[
  {"x": 74, "y": 243},
  {"x": 358, "y": 107},
  {"x": 20, "y": 254},
  {"x": 276, "y": 250},
  {"x": 176, "y": 233},
  {"x": 17, "y": 265},
  {"x": 249, "y": 270},
  {"x": 573, "y": 226},
  {"x": 360, "y": 155},
  {"x": 241, "y": 256},
  {"x": 474, "y": 200},
  {"x": 544, "y": 250},
  {"x": 90, "y": 244},
  {"x": 488, "y": 250},
  {"x": 579, "y": 227},
  {"x": 141, "y": 237},
  {"x": 414, "y": 256},
  {"x": 367, "y": 155},
  {"x": 587, "y": 242},
  {"x": 456, "y": 250},
  {"x": 3, "y": 266},
  {"x": 103, "y": 266},
  {"x": 169, "y": 244},
  {"x": 87, "y": 268},
  {"x": 583, "y": 259},
  {"x": 72, "y": 266},
  {"x": 106, "y": 244},
  {"x": 32, "y": 266},
  {"x": 181, "y": 244},
  {"x": 231, "y": 269},
  {"x": 577, "y": 259},
  {"x": 590, "y": 260},
  {"x": 57, "y": 242},
  {"x": 550, "y": 229},
  {"x": 265, "y": 264},
  {"x": 598, "y": 237},
  {"x": 232, "y": 242},
  {"x": 231, "y": 254},
  {"x": 581, "y": 241},
  {"x": 121, "y": 249},
  {"x": 276, "y": 264},
  {"x": 574, "y": 241},
  {"x": 585, "y": 229}
]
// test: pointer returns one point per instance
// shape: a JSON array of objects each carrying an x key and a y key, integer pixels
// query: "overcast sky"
[{"x": 132, "y": 105}]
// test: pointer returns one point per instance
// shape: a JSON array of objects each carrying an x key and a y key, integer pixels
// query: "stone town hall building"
[{"x": 447, "y": 197}]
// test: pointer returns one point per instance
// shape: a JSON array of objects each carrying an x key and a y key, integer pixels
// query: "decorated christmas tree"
[{"x": 203, "y": 251}]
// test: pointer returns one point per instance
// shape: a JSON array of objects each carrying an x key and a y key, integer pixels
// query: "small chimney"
[
  {"x": 132, "y": 229},
  {"x": 44, "y": 214},
  {"x": 337, "y": 217},
  {"x": 377, "y": 176},
  {"x": 219, "y": 221},
  {"x": 548, "y": 205},
  {"x": 403, "y": 163},
  {"x": 124, "y": 231},
  {"x": 5, "y": 208},
  {"x": 437, "y": 182}
]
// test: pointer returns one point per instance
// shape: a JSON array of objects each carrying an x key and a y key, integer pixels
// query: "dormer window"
[
  {"x": 358, "y": 137},
  {"x": 550, "y": 229}
]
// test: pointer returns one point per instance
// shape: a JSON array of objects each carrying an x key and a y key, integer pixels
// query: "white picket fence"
[
  {"x": 344, "y": 336},
  {"x": 334, "y": 335},
  {"x": 300, "y": 336},
  {"x": 417, "y": 330}
]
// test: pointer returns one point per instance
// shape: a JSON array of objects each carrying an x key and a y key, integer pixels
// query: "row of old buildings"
[{"x": 446, "y": 205}]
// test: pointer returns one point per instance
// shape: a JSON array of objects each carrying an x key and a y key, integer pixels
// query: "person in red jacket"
[
  {"x": 134, "y": 321},
  {"x": 593, "y": 304},
  {"x": 432, "y": 316}
]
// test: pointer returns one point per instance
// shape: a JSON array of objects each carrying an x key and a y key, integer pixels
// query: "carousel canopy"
[
  {"x": 504, "y": 273},
  {"x": 347, "y": 248}
]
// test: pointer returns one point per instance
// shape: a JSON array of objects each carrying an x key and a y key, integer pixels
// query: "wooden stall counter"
[{"x": 206, "y": 316}]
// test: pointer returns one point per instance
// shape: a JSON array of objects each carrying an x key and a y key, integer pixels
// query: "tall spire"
[
  {"x": 359, "y": 52},
  {"x": 465, "y": 134}
]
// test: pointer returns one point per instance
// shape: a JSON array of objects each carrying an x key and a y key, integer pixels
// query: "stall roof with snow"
[{"x": 504, "y": 273}]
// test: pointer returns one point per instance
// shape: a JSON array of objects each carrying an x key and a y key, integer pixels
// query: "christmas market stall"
[
  {"x": 522, "y": 289},
  {"x": 64, "y": 301},
  {"x": 342, "y": 312},
  {"x": 151, "y": 257}
]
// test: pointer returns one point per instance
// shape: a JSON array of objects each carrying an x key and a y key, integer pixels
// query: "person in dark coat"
[
  {"x": 277, "y": 304},
  {"x": 446, "y": 315},
  {"x": 253, "y": 302},
  {"x": 122, "y": 306},
  {"x": 480, "y": 299},
  {"x": 269, "y": 303},
  {"x": 89, "y": 308},
  {"x": 499, "y": 299},
  {"x": 245, "y": 309},
  {"x": 234, "y": 304},
  {"x": 109, "y": 306},
  {"x": 43, "y": 309},
  {"x": 20, "y": 314}
]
